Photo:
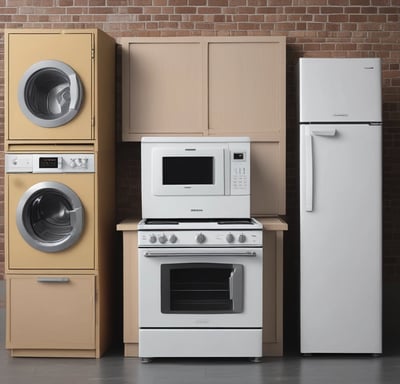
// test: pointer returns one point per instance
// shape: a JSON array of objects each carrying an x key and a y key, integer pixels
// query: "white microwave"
[{"x": 195, "y": 177}]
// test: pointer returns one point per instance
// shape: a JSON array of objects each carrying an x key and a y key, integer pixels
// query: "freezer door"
[
  {"x": 340, "y": 90},
  {"x": 341, "y": 241}
]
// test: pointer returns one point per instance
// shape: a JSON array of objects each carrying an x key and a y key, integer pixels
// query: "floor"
[{"x": 114, "y": 368}]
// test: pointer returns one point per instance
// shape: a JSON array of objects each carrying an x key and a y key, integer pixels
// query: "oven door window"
[{"x": 201, "y": 288}]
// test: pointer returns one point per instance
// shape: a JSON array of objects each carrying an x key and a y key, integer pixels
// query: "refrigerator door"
[
  {"x": 340, "y": 90},
  {"x": 341, "y": 241}
]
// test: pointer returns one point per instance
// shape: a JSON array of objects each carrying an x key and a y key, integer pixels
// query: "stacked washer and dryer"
[{"x": 59, "y": 191}]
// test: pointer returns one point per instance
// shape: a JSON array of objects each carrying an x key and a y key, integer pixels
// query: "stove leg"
[
  {"x": 255, "y": 359},
  {"x": 146, "y": 360}
]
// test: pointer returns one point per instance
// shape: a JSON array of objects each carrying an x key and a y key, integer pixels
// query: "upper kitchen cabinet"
[
  {"x": 162, "y": 87},
  {"x": 246, "y": 87},
  {"x": 220, "y": 86}
]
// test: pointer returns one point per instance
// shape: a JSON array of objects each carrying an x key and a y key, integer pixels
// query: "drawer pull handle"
[{"x": 53, "y": 279}]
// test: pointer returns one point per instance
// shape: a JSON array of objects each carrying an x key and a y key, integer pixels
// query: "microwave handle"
[{"x": 200, "y": 254}]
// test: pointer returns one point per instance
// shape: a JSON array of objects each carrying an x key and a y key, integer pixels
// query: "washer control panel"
[{"x": 49, "y": 163}]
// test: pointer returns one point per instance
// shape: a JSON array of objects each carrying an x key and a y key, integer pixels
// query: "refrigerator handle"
[
  {"x": 310, "y": 132},
  {"x": 323, "y": 131},
  {"x": 309, "y": 170}
]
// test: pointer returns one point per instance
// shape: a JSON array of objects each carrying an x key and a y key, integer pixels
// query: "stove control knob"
[
  {"x": 173, "y": 239},
  {"x": 242, "y": 238},
  {"x": 152, "y": 239},
  {"x": 162, "y": 239},
  {"x": 200, "y": 238},
  {"x": 230, "y": 238}
]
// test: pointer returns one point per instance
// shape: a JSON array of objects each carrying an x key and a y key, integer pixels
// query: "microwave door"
[{"x": 178, "y": 173}]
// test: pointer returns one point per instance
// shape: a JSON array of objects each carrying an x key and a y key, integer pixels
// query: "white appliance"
[
  {"x": 195, "y": 177},
  {"x": 340, "y": 205},
  {"x": 200, "y": 288}
]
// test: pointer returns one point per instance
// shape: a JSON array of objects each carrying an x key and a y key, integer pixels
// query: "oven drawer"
[{"x": 200, "y": 288}]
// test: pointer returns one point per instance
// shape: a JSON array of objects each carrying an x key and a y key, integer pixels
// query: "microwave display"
[{"x": 188, "y": 170}]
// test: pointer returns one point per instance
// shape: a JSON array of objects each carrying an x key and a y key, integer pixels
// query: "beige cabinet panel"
[
  {"x": 273, "y": 286},
  {"x": 50, "y": 312},
  {"x": 163, "y": 88},
  {"x": 267, "y": 178},
  {"x": 246, "y": 92}
]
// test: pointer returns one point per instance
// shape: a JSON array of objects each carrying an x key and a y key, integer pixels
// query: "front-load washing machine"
[
  {"x": 54, "y": 80},
  {"x": 50, "y": 211}
]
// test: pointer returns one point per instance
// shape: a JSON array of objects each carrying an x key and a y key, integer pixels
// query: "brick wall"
[{"x": 336, "y": 28}]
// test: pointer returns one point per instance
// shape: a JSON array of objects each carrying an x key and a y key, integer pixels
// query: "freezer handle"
[
  {"x": 309, "y": 161},
  {"x": 323, "y": 131}
]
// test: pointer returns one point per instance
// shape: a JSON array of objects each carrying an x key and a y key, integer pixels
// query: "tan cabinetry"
[
  {"x": 130, "y": 287},
  {"x": 61, "y": 313},
  {"x": 59, "y": 191},
  {"x": 272, "y": 287},
  {"x": 213, "y": 86},
  {"x": 163, "y": 88},
  {"x": 246, "y": 87}
]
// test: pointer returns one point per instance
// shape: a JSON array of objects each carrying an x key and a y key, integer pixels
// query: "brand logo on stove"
[{"x": 196, "y": 210}]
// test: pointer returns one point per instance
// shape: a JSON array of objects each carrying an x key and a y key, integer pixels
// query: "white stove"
[{"x": 200, "y": 288}]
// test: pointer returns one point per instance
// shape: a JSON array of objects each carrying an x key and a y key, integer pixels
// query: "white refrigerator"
[{"x": 340, "y": 118}]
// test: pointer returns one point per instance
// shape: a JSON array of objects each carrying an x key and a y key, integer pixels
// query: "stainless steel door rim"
[
  {"x": 50, "y": 216},
  {"x": 50, "y": 93}
]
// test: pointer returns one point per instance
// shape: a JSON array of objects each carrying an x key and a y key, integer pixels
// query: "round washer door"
[
  {"x": 50, "y": 93},
  {"x": 50, "y": 216}
]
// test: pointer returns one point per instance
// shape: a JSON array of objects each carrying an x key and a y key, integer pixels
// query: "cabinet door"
[
  {"x": 162, "y": 88},
  {"x": 246, "y": 83},
  {"x": 50, "y": 312}
]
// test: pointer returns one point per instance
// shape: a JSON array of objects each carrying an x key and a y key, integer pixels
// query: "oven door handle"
[
  {"x": 236, "y": 288},
  {"x": 200, "y": 254}
]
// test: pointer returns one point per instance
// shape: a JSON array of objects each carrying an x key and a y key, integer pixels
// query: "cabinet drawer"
[{"x": 51, "y": 312}]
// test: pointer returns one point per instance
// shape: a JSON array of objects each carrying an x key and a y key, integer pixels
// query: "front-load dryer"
[
  {"x": 54, "y": 80},
  {"x": 50, "y": 211}
]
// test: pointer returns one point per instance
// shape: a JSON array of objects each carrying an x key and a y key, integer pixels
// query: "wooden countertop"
[{"x": 275, "y": 223}]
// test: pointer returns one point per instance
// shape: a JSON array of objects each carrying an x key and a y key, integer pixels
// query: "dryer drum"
[
  {"x": 50, "y": 217},
  {"x": 50, "y": 93}
]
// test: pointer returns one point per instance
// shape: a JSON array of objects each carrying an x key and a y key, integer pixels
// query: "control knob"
[
  {"x": 173, "y": 239},
  {"x": 152, "y": 239},
  {"x": 200, "y": 238},
  {"x": 230, "y": 238},
  {"x": 162, "y": 239},
  {"x": 242, "y": 238}
]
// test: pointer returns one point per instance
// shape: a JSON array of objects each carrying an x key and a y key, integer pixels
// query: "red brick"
[
  {"x": 185, "y": 10},
  {"x": 337, "y": 18},
  {"x": 218, "y": 3},
  {"x": 208, "y": 10},
  {"x": 175, "y": 3},
  {"x": 247, "y": 26}
]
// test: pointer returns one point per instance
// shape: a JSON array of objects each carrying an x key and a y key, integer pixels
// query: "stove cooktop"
[{"x": 209, "y": 224}]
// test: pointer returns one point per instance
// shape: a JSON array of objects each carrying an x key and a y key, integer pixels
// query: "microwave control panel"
[{"x": 240, "y": 172}]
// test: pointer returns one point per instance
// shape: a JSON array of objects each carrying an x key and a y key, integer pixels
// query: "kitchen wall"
[{"x": 320, "y": 28}]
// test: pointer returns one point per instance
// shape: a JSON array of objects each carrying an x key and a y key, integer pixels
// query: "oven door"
[{"x": 200, "y": 288}]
